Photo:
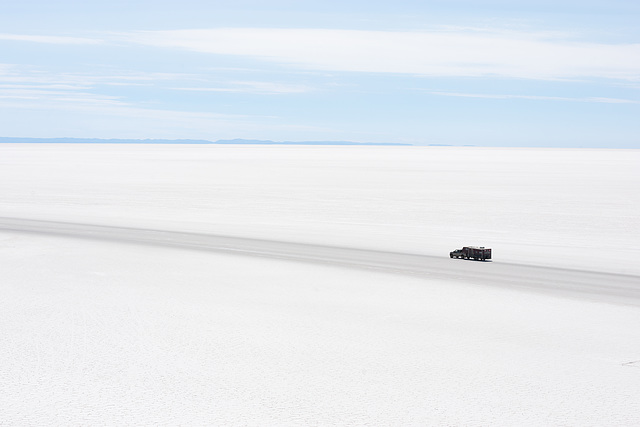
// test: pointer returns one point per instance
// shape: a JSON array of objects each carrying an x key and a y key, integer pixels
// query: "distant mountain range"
[{"x": 181, "y": 141}]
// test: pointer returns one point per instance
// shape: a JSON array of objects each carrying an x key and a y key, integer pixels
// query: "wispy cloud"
[
  {"x": 41, "y": 97},
  {"x": 537, "y": 97},
  {"x": 23, "y": 76},
  {"x": 49, "y": 39},
  {"x": 73, "y": 100},
  {"x": 260, "y": 88},
  {"x": 25, "y": 83},
  {"x": 451, "y": 52},
  {"x": 79, "y": 116}
]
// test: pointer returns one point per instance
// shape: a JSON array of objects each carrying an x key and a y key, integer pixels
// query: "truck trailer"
[{"x": 479, "y": 253}]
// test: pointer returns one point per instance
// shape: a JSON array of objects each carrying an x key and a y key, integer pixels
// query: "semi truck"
[{"x": 479, "y": 253}]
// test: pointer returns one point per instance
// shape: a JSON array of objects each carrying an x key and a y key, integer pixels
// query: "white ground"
[{"x": 113, "y": 326}]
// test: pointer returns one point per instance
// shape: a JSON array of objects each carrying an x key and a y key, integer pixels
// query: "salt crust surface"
[
  {"x": 100, "y": 332},
  {"x": 108, "y": 333},
  {"x": 568, "y": 208}
]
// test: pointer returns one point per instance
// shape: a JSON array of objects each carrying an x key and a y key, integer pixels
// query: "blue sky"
[{"x": 460, "y": 72}]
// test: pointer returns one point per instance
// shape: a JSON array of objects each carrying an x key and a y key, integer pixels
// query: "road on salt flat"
[{"x": 597, "y": 286}]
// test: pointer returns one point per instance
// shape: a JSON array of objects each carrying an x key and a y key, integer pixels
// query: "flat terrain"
[{"x": 312, "y": 286}]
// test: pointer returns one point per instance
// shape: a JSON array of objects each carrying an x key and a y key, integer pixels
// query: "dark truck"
[{"x": 472, "y": 252}]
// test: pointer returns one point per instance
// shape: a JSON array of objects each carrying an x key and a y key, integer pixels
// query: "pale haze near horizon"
[{"x": 538, "y": 74}]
